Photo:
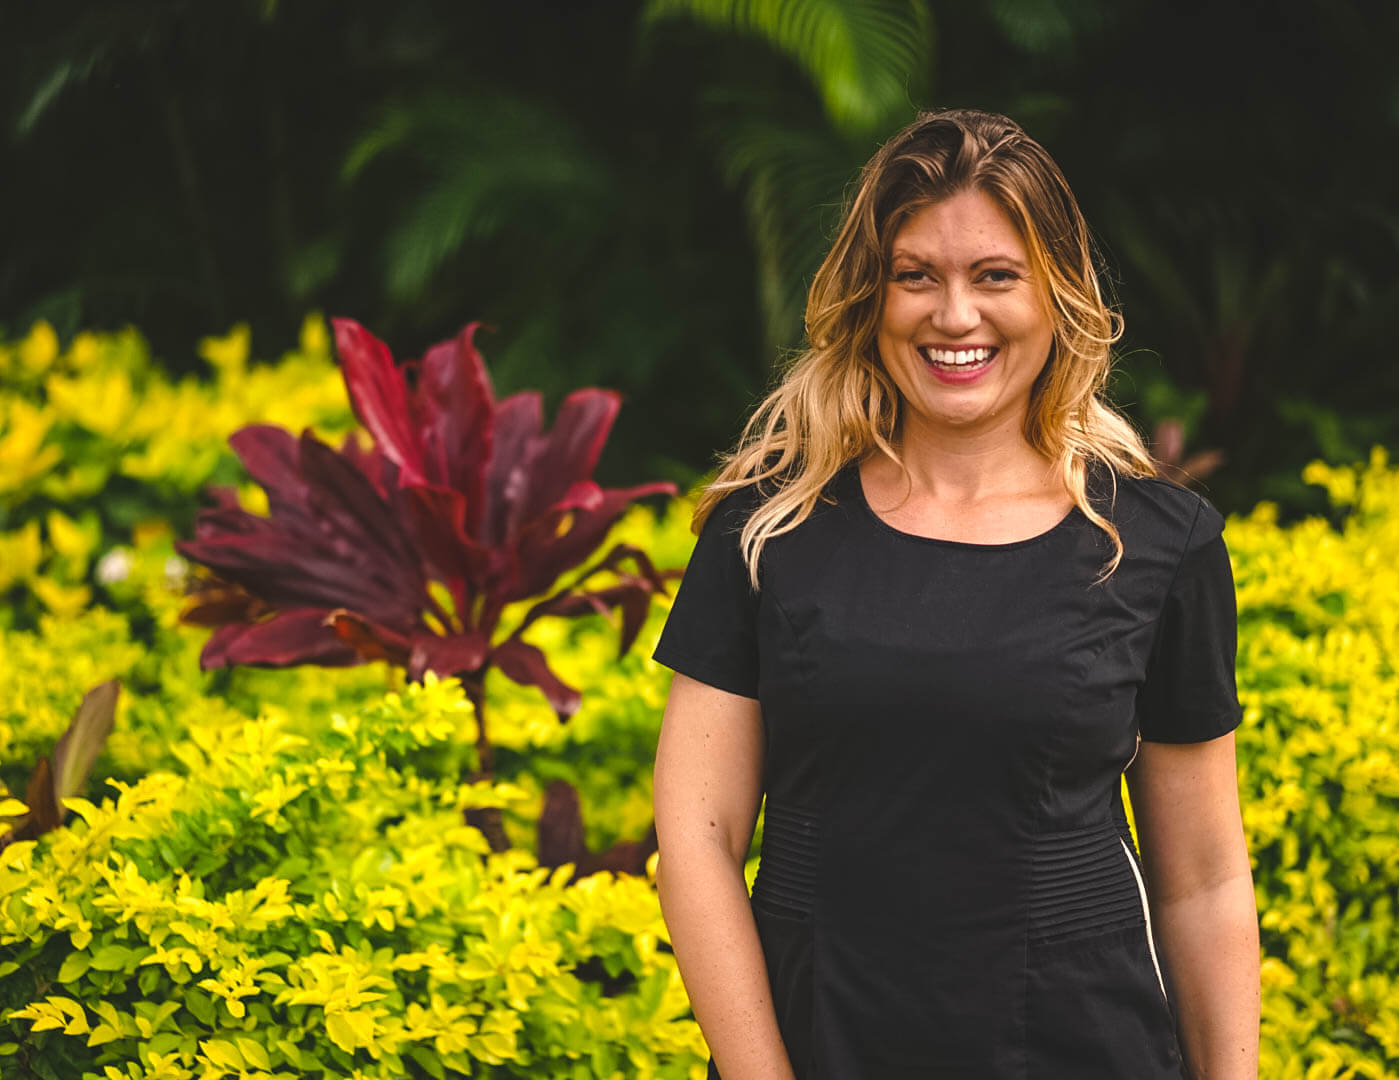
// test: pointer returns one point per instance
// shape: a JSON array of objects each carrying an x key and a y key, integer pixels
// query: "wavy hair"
[{"x": 836, "y": 402}]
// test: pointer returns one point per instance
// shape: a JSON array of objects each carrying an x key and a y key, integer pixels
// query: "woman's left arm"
[{"x": 1204, "y": 918}]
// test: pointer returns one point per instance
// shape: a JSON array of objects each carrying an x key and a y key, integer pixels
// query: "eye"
[
  {"x": 910, "y": 276},
  {"x": 1001, "y": 277}
]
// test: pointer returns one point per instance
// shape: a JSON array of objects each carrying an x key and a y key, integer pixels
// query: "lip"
[{"x": 960, "y": 378}]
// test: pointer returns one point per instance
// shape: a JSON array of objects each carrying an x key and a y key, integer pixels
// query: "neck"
[{"x": 964, "y": 466}]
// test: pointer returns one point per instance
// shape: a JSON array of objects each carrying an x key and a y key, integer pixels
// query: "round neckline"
[{"x": 857, "y": 487}]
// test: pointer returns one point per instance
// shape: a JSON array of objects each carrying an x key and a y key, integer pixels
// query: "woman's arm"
[
  {"x": 708, "y": 785},
  {"x": 1204, "y": 918}
]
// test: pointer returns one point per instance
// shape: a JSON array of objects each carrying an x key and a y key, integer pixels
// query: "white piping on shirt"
[
  {"x": 1146, "y": 914},
  {"x": 1135, "y": 751}
]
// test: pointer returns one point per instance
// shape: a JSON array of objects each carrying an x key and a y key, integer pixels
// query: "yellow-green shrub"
[
  {"x": 282, "y": 818},
  {"x": 294, "y": 905},
  {"x": 1319, "y": 771},
  {"x": 96, "y": 439}
]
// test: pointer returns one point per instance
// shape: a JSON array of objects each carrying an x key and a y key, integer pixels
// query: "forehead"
[{"x": 962, "y": 228}]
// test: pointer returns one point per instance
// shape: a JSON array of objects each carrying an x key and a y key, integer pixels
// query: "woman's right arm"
[{"x": 708, "y": 785}]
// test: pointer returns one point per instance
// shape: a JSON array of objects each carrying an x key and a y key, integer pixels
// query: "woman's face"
[{"x": 965, "y": 329}]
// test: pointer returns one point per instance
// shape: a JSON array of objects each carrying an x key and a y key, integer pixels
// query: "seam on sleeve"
[
  {"x": 1175, "y": 574},
  {"x": 1161, "y": 611}
]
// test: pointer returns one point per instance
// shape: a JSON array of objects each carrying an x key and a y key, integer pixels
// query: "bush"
[{"x": 273, "y": 877}]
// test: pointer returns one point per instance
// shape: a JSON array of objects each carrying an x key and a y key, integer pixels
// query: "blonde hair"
[{"x": 836, "y": 402}]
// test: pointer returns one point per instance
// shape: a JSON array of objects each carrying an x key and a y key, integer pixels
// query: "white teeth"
[{"x": 956, "y": 357}]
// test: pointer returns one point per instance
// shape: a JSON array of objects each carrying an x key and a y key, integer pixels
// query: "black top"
[{"x": 947, "y": 884}]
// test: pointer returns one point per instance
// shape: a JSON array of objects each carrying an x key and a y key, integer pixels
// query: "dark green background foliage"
[{"x": 636, "y": 193}]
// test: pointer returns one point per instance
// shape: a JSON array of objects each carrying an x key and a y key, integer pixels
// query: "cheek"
[{"x": 1032, "y": 326}]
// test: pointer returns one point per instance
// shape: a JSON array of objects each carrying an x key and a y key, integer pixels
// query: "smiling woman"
[{"x": 939, "y": 606}]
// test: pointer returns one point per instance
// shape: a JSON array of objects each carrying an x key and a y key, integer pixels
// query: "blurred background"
[{"x": 635, "y": 194}]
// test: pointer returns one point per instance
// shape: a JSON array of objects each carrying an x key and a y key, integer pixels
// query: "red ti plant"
[{"x": 411, "y": 550}]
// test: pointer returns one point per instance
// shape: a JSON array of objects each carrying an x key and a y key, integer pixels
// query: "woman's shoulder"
[
  {"x": 1153, "y": 508},
  {"x": 735, "y": 506}
]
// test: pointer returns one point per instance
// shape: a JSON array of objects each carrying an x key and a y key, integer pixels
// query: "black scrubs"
[{"x": 948, "y": 886}]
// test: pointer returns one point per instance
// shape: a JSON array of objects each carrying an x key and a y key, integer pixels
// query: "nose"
[{"x": 954, "y": 310}]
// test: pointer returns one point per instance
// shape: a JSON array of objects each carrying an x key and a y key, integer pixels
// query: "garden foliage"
[
  {"x": 411, "y": 550},
  {"x": 270, "y": 875}
]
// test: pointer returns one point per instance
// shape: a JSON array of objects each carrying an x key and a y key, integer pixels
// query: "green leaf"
[
  {"x": 113, "y": 958},
  {"x": 253, "y": 1053},
  {"x": 493, "y": 160},
  {"x": 149, "y": 979},
  {"x": 200, "y": 1006},
  {"x": 862, "y": 55},
  {"x": 222, "y": 1053},
  {"x": 72, "y": 969},
  {"x": 164, "y": 1042},
  {"x": 428, "y": 1061}
]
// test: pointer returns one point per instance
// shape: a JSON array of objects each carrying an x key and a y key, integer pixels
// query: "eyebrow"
[{"x": 1000, "y": 258}]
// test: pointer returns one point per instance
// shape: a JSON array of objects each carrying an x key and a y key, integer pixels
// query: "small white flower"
[
  {"x": 114, "y": 566},
  {"x": 176, "y": 570}
]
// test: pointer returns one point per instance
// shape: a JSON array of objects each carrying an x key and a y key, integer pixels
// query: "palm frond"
[
  {"x": 792, "y": 169},
  {"x": 866, "y": 57},
  {"x": 491, "y": 163}
]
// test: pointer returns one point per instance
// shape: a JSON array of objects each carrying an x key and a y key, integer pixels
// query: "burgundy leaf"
[
  {"x": 622, "y": 552},
  {"x": 377, "y": 469},
  {"x": 456, "y": 409},
  {"x": 379, "y": 396},
  {"x": 64, "y": 773},
  {"x": 521, "y": 662},
  {"x": 517, "y": 447},
  {"x": 273, "y": 459},
  {"x": 45, "y": 811},
  {"x": 455, "y": 489},
  {"x": 634, "y": 598},
  {"x": 289, "y": 575},
  {"x": 298, "y": 636},
  {"x": 447, "y": 655},
  {"x": 344, "y": 497},
  {"x": 216, "y": 602},
  {"x": 370, "y": 640},
  {"x": 584, "y": 495},
  {"x": 575, "y": 443},
  {"x": 560, "y": 831},
  {"x": 436, "y": 518},
  {"x": 77, "y": 748},
  {"x": 544, "y": 554}
]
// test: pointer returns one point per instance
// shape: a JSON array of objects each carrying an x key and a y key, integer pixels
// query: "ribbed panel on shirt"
[
  {"x": 1081, "y": 883},
  {"x": 786, "y": 881}
]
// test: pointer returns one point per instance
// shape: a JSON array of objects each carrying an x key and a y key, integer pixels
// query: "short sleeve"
[
  {"x": 711, "y": 633},
  {"x": 1189, "y": 694}
]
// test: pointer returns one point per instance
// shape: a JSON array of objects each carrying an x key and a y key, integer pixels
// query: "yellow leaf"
[
  {"x": 103, "y": 1033},
  {"x": 341, "y": 1032},
  {"x": 253, "y": 1053},
  {"x": 222, "y": 1053},
  {"x": 228, "y": 355},
  {"x": 39, "y": 350}
]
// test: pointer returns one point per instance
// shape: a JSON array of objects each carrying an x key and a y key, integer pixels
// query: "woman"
[{"x": 938, "y": 605}]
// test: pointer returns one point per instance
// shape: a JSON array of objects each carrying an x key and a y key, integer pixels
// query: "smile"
[{"x": 957, "y": 359}]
